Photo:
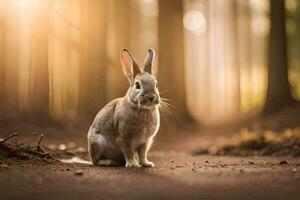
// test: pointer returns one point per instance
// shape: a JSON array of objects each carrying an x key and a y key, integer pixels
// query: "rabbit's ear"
[
  {"x": 130, "y": 66},
  {"x": 149, "y": 60}
]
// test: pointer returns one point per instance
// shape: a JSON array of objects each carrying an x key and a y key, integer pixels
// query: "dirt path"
[{"x": 176, "y": 176}]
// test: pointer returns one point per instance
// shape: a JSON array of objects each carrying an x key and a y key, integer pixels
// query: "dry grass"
[{"x": 258, "y": 142}]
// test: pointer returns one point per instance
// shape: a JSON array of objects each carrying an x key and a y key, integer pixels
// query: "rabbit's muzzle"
[{"x": 149, "y": 99}]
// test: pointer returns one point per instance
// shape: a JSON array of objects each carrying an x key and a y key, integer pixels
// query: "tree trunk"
[
  {"x": 11, "y": 63},
  {"x": 39, "y": 83},
  {"x": 118, "y": 38},
  {"x": 94, "y": 58},
  {"x": 278, "y": 92},
  {"x": 2, "y": 39},
  {"x": 171, "y": 75}
]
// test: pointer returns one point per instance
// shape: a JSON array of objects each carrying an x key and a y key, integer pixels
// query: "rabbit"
[{"x": 123, "y": 130}]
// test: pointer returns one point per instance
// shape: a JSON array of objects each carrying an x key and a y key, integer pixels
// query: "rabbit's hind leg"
[
  {"x": 94, "y": 152},
  {"x": 96, "y": 147},
  {"x": 97, "y": 156}
]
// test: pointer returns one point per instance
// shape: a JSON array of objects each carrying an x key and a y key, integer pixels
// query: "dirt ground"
[
  {"x": 185, "y": 178},
  {"x": 178, "y": 174}
]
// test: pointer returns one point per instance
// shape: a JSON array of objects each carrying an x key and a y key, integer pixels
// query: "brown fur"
[{"x": 124, "y": 129}]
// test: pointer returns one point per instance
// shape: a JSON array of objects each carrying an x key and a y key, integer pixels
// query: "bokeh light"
[{"x": 195, "y": 22}]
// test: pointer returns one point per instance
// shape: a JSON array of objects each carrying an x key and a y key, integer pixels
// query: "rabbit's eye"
[{"x": 137, "y": 85}]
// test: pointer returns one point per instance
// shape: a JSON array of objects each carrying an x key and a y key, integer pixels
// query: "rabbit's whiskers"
[{"x": 166, "y": 111}]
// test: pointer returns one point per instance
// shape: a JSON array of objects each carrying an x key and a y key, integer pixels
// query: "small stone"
[
  {"x": 251, "y": 163},
  {"x": 294, "y": 170},
  {"x": 71, "y": 145},
  {"x": 283, "y": 162},
  {"x": 171, "y": 161},
  {"x": 3, "y": 166},
  {"x": 213, "y": 150},
  {"x": 78, "y": 173},
  {"x": 81, "y": 149},
  {"x": 268, "y": 163},
  {"x": 52, "y": 146},
  {"x": 62, "y": 147}
]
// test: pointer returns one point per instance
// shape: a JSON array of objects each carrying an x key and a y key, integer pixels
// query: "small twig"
[
  {"x": 45, "y": 153},
  {"x": 40, "y": 141},
  {"x": 9, "y": 137}
]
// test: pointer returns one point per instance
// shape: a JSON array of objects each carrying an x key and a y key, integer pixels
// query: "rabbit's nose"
[{"x": 151, "y": 97}]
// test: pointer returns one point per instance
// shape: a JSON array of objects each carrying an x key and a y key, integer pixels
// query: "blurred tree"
[
  {"x": 101, "y": 77},
  {"x": 64, "y": 59},
  {"x": 2, "y": 38},
  {"x": 93, "y": 72},
  {"x": 171, "y": 75},
  {"x": 10, "y": 62},
  {"x": 39, "y": 80},
  {"x": 278, "y": 92},
  {"x": 293, "y": 36},
  {"x": 244, "y": 54},
  {"x": 118, "y": 38}
]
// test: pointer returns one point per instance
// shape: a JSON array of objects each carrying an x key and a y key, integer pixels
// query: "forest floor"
[{"x": 181, "y": 172}]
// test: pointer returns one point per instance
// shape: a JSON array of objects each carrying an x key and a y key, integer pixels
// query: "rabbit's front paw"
[
  {"x": 132, "y": 163},
  {"x": 147, "y": 163}
]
